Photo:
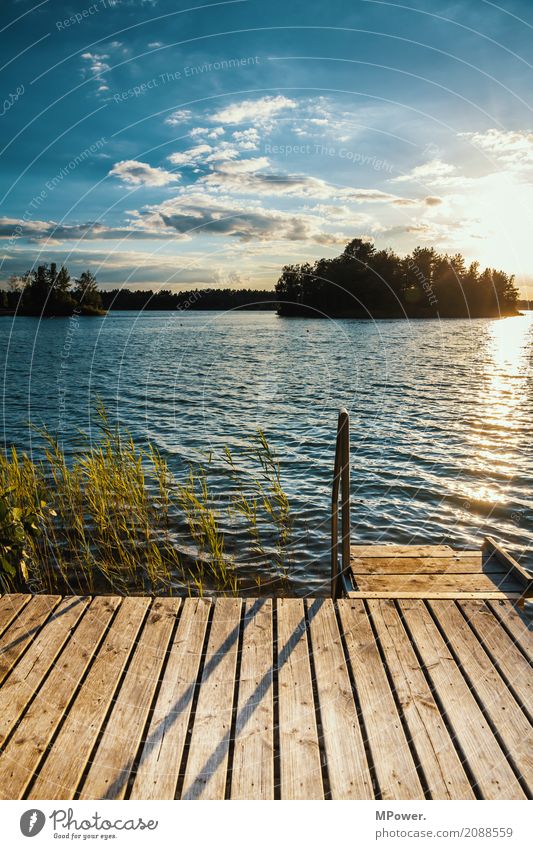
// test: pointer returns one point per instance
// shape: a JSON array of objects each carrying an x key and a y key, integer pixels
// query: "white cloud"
[
  {"x": 198, "y": 131},
  {"x": 141, "y": 174},
  {"x": 222, "y": 153},
  {"x": 433, "y": 172},
  {"x": 191, "y": 156},
  {"x": 96, "y": 63},
  {"x": 180, "y": 116},
  {"x": 204, "y": 132},
  {"x": 244, "y": 166},
  {"x": 513, "y": 149},
  {"x": 253, "y": 110},
  {"x": 246, "y": 139}
]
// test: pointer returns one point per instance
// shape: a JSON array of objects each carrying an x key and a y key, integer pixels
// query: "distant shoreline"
[{"x": 307, "y": 315}]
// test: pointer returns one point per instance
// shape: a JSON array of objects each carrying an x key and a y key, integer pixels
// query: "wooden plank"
[
  {"x": 252, "y": 774},
  {"x": 158, "y": 769},
  {"x": 435, "y": 583},
  {"x": 61, "y": 772},
  {"x": 114, "y": 759},
  {"x": 10, "y": 606},
  {"x": 23, "y": 630},
  {"x": 395, "y": 769},
  {"x": 494, "y": 549},
  {"x": 497, "y": 642},
  {"x": 445, "y": 776},
  {"x": 205, "y": 773},
  {"x": 487, "y": 763},
  {"x": 391, "y": 550},
  {"x": 463, "y": 565},
  {"x": 518, "y": 623},
  {"x": 299, "y": 756},
  {"x": 348, "y": 772},
  {"x": 26, "y": 676},
  {"x": 495, "y": 596},
  {"x": 498, "y": 703},
  {"x": 20, "y": 759}
]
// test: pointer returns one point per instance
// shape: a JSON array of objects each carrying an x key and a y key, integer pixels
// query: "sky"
[{"x": 182, "y": 144}]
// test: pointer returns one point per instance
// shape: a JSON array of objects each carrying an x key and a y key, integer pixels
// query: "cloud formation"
[
  {"x": 95, "y": 66},
  {"x": 180, "y": 116},
  {"x": 136, "y": 173},
  {"x": 203, "y": 213},
  {"x": 434, "y": 172},
  {"x": 51, "y": 231},
  {"x": 513, "y": 149},
  {"x": 253, "y": 111}
]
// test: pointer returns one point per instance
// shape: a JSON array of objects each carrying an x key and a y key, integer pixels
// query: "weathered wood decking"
[
  {"x": 435, "y": 571},
  {"x": 360, "y": 698}
]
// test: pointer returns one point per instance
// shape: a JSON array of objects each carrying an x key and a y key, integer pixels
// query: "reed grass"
[{"x": 112, "y": 518}]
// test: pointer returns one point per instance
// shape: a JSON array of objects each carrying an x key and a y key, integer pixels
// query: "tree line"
[
  {"x": 361, "y": 282},
  {"x": 365, "y": 282},
  {"x": 196, "y": 299},
  {"x": 49, "y": 290}
]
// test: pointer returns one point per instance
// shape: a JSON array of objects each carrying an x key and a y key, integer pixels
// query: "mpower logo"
[{"x": 32, "y": 822}]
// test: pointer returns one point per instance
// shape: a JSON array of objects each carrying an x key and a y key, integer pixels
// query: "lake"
[{"x": 441, "y": 413}]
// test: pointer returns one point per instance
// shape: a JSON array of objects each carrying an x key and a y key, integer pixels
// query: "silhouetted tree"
[
  {"x": 86, "y": 292},
  {"x": 45, "y": 290},
  {"x": 365, "y": 282}
]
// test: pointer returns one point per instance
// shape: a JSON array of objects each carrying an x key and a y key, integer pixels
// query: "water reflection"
[{"x": 502, "y": 425}]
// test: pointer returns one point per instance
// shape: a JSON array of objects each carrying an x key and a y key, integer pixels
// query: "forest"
[{"x": 367, "y": 283}]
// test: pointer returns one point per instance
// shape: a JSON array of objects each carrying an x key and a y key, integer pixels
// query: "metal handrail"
[{"x": 341, "y": 481}]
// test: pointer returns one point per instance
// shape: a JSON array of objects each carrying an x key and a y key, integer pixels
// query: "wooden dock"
[
  {"x": 370, "y": 697},
  {"x": 436, "y": 572}
]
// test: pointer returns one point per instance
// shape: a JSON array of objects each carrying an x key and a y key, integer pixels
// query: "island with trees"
[
  {"x": 367, "y": 283},
  {"x": 48, "y": 290}
]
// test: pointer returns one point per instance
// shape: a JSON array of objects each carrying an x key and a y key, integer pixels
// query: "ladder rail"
[{"x": 341, "y": 485}]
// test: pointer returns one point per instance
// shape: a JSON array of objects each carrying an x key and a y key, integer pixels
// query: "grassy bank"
[{"x": 114, "y": 519}]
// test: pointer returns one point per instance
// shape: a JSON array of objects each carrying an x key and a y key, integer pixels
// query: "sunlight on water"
[
  {"x": 509, "y": 343},
  {"x": 500, "y": 400}
]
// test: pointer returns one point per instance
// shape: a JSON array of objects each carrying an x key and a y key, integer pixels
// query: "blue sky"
[{"x": 181, "y": 144}]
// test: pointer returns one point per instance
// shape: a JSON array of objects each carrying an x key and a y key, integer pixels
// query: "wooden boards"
[
  {"x": 206, "y": 769},
  {"x": 434, "y": 571},
  {"x": 252, "y": 773},
  {"x": 113, "y": 761},
  {"x": 158, "y": 769},
  {"x": 71, "y": 750},
  {"x": 143, "y": 698}
]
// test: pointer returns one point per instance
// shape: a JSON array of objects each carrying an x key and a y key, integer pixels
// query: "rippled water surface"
[{"x": 441, "y": 412}]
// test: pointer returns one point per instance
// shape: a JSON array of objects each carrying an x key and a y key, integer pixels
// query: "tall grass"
[
  {"x": 262, "y": 503},
  {"x": 112, "y": 518}
]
